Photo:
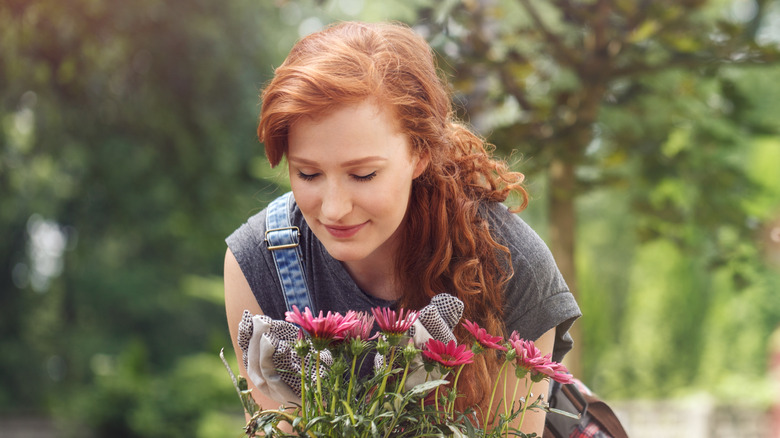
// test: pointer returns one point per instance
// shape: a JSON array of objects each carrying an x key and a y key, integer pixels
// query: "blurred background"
[{"x": 648, "y": 131}]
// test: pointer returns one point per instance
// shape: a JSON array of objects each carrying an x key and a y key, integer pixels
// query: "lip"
[{"x": 344, "y": 231}]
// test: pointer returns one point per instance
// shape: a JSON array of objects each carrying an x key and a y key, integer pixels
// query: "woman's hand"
[{"x": 268, "y": 345}]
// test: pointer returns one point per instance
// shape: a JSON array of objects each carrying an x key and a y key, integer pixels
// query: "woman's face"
[{"x": 351, "y": 172}]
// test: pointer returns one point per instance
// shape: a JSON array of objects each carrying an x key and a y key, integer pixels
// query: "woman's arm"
[
  {"x": 534, "y": 420},
  {"x": 239, "y": 297}
]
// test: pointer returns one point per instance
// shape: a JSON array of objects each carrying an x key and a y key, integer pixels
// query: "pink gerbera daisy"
[
  {"x": 558, "y": 372},
  {"x": 530, "y": 358},
  {"x": 448, "y": 355},
  {"x": 323, "y": 328},
  {"x": 361, "y": 330},
  {"x": 392, "y": 323},
  {"x": 484, "y": 339}
]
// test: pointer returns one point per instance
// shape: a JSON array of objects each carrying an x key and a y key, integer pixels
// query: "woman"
[{"x": 395, "y": 201}]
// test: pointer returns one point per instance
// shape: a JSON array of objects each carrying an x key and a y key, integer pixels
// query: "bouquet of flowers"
[{"x": 411, "y": 391}]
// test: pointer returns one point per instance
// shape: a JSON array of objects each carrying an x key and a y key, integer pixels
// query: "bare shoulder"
[{"x": 238, "y": 294}]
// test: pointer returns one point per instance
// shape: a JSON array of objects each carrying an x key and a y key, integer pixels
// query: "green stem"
[
  {"x": 333, "y": 398},
  {"x": 422, "y": 400},
  {"x": 303, "y": 389},
  {"x": 505, "y": 428},
  {"x": 436, "y": 399},
  {"x": 383, "y": 386},
  {"x": 493, "y": 394},
  {"x": 351, "y": 380},
  {"x": 506, "y": 405},
  {"x": 514, "y": 393},
  {"x": 525, "y": 403},
  {"x": 319, "y": 383},
  {"x": 455, "y": 390},
  {"x": 400, "y": 386}
]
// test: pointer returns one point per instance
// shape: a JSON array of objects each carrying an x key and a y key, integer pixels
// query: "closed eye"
[
  {"x": 307, "y": 177},
  {"x": 364, "y": 178}
]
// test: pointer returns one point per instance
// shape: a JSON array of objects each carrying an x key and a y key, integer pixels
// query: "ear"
[{"x": 422, "y": 163}]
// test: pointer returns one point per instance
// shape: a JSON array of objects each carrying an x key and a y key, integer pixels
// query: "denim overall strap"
[{"x": 282, "y": 240}]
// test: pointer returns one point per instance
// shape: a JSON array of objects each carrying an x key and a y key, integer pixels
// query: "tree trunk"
[{"x": 562, "y": 234}]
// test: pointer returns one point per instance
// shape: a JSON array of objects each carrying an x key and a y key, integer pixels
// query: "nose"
[{"x": 336, "y": 203}]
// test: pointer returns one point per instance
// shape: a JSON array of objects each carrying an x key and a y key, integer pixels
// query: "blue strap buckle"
[{"x": 293, "y": 235}]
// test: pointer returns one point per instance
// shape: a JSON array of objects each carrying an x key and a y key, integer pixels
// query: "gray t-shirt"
[{"x": 537, "y": 298}]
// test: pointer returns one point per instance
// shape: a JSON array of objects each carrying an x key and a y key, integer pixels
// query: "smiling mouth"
[{"x": 344, "y": 232}]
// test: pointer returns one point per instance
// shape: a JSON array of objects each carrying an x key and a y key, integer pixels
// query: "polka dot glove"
[
  {"x": 436, "y": 320},
  {"x": 268, "y": 350}
]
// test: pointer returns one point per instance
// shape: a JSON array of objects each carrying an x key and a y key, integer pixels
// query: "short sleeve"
[{"x": 537, "y": 297}]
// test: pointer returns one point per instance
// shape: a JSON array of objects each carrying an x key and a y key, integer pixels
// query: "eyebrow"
[{"x": 350, "y": 163}]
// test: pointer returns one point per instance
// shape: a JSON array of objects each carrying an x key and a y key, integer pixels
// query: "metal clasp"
[{"x": 286, "y": 245}]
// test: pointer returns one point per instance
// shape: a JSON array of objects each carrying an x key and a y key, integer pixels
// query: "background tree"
[
  {"x": 613, "y": 93},
  {"x": 125, "y": 159}
]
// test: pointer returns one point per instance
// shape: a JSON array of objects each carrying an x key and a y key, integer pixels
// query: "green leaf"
[
  {"x": 424, "y": 388},
  {"x": 564, "y": 413},
  {"x": 647, "y": 29}
]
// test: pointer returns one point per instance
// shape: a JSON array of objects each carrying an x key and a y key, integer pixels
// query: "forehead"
[
  {"x": 363, "y": 128},
  {"x": 369, "y": 105},
  {"x": 367, "y": 115}
]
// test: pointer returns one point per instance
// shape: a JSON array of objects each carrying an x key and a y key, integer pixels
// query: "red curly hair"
[{"x": 453, "y": 249}]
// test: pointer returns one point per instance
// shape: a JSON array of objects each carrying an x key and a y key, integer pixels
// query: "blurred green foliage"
[
  {"x": 638, "y": 120},
  {"x": 128, "y": 152},
  {"x": 127, "y": 129}
]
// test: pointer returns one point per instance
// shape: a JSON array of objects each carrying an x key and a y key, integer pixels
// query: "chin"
[{"x": 343, "y": 255}]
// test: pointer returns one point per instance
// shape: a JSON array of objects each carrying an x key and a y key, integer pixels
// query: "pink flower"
[
  {"x": 332, "y": 326},
  {"x": 483, "y": 338},
  {"x": 391, "y": 323},
  {"x": 527, "y": 353},
  {"x": 361, "y": 330},
  {"x": 530, "y": 358},
  {"x": 561, "y": 374},
  {"x": 447, "y": 355}
]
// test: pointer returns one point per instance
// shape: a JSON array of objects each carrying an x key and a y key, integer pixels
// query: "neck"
[
  {"x": 375, "y": 279},
  {"x": 376, "y": 274}
]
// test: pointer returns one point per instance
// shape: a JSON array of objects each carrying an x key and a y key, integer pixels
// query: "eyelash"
[
  {"x": 365, "y": 178},
  {"x": 306, "y": 177},
  {"x": 358, "y": 178}
]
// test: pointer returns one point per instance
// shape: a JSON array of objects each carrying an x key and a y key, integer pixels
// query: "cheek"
[
  {"x": 305, "y": 196},
  {"x": 392, "y": 200}
]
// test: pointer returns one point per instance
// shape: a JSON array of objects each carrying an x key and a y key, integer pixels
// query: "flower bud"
[
  {"x": 382, "y": 346},
  {"x": 410, "y": 352},
  {"x": 337, "y": 370},
  {"x": 511, "y": 355},
  {"x": 302, "y": 347},
  {"x": 394, "y": 338},
  {"x": 357, "y": 346},
  {"x": 451, "y": 396}
]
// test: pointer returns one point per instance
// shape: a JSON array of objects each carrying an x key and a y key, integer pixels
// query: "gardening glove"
[
  {"x": 436, "y": 320},
  {"x": 268, "y": 351}
]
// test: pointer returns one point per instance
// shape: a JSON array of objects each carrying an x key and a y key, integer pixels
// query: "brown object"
[{"x": 590, "y": 408}]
